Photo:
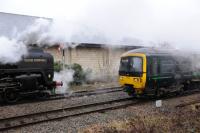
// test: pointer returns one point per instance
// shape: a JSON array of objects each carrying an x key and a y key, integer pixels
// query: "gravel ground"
[
  {"x": 93, "y": 86},
  {"x": 8, "y": 111},
  {"x": 78, "y": 124}
]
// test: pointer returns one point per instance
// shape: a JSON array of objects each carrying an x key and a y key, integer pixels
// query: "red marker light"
[{"x": 59, "y": 83}]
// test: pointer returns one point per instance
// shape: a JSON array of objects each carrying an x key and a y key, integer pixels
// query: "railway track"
[
  {"x": 193, "y": 102},
  {"x": 57, "y": 114},
  {"x": 77, "y": 110},
  {"x": 189, "y": 103},
  {"x": 74, "y": 94},
  {"x": 93, "y": 92}
]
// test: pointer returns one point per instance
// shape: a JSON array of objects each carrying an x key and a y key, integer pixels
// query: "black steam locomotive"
[{"x": 32, "y": 75}]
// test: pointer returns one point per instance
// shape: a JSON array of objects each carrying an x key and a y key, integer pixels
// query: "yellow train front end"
[{"x": 132, "y": 73}]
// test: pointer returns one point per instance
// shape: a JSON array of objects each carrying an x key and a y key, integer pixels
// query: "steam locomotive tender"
[
  {"x": 33, "y": 74},
  {"x": 154, "y": 72}
]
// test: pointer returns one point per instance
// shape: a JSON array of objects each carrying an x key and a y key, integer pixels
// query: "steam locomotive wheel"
[
  {"x": 11, "y": 96},
  {"x": 43, "y": 95}
]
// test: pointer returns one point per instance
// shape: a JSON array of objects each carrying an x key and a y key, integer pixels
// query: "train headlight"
[
  {"x": 49, "y": 76},
  {"x": 135, "y": 79}
]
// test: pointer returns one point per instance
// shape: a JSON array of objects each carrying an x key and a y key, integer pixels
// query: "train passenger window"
[
  {"x": 167, "y": 66},
  {"x": 154, "y": 66}
]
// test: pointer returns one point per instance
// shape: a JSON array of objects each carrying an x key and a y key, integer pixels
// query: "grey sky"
[{"x": 174, "y": 21}]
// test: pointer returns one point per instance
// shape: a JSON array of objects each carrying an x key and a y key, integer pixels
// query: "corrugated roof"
[{"x": 10, "y": 23}]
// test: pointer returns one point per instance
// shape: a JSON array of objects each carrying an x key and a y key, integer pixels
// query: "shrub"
[
  {"x": 79, "y": 74},
  {"x": 57, "y": 66}
]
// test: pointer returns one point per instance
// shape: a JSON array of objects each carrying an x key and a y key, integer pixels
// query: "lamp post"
[{"x": 63, "y": 58}]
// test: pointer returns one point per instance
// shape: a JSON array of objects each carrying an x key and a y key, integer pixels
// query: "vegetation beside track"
[{"x": 184, "y": 119}]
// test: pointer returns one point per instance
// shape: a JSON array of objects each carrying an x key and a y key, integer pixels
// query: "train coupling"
[{"x": 129, "y": 90}]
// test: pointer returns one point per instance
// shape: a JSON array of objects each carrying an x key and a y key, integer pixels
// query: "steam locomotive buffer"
[{"x": 32, "y": 75}]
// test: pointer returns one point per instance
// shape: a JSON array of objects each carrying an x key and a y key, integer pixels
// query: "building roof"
[
  {"x": 94, "y": 45},
  {"x": 11, "y": 23}
]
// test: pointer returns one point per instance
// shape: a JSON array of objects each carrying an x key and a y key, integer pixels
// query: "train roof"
[
  {"x": 164, "y": 52},
  {"x": 149, "y": 51}
]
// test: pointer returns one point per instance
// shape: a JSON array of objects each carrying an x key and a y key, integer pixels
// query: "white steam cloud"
[
  {"x": 122, "y": 22},
  {"x": 66, "y": 76},
  {"x": 149, "y": 22},
  {"x": 117, "y": 22},
  {"x": 34, "y": 33},
  {"x": 11, "y": 51},
  {"x": 57, "y": 31}
]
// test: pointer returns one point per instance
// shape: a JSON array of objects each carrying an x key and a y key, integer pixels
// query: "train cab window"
[
  {"x": 136, "y": 64},
  {"x": 167, "y": 66},
  {"x": 131, "y": 64},
  {"x": 124, "y": 64}
]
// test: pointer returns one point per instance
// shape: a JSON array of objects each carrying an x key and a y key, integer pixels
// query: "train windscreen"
[{"x": 130, "y": 66}]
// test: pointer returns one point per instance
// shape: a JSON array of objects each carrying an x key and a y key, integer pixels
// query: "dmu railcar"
[{"x": 154, "y": 72}]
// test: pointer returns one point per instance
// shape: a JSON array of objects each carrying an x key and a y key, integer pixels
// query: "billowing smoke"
[
  {"x": 11, "y": 51},
  {"x": 122, "y": 22},
  {"x": 34, "y": 33},
  {"x": 50, "y": 32},
  {"x": 66, "y": 76}
]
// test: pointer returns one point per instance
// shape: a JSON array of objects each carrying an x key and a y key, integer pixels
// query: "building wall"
[
  {"x": 102, "y": 61},
  {"x": 88, "y": 58},
  {"x": 114, "y": 59}
]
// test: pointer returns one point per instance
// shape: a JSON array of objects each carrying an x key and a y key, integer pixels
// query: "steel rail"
[
  {"x": 188, "y": 103},
  {"x": 75, "y": 94},
  {"x": 30, "y": 119}
]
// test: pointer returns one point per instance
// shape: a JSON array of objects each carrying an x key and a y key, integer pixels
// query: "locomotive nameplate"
[{"x": 35, "y": 60}]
